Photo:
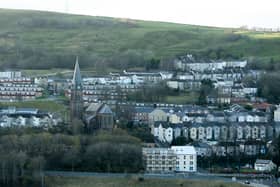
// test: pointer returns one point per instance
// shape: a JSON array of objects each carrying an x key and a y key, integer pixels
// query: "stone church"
[{"x": 97, "y": 115}]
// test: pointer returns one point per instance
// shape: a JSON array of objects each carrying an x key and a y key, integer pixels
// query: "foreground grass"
[{"x": 131, "y": 182}]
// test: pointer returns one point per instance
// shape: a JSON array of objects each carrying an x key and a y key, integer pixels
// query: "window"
[
  {"x": 191, "y": 162},
  {"x": 191, "y": 168},
  {"x": 191, "y": 157}
]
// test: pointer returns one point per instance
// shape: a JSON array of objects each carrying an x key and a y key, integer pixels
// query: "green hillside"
[{"x": 40, "y": 40}]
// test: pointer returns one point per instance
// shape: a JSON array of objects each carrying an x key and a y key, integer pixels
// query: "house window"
[
  {"x": 191, "y": 157},
  {"x": 191, "y": 168}
]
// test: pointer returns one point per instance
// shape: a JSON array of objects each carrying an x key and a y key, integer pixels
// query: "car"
[{"x": 247, "y": 182}]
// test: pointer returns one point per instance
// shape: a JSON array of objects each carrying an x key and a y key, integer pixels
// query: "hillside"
[{"x": 42, "y": 40}]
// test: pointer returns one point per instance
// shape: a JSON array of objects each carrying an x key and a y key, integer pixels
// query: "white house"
[
  {"x": 186, "y": 160},
  {"x": 264, "y": 165},
  {"x": 163, "y": 132},
  {"x": 277, "y": 114},
  {"x": 157, "y": 115},
  {"x": 193, "y": 133}
]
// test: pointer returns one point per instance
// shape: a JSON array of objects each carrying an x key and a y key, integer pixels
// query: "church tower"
[{"x": 76, "y": 101}]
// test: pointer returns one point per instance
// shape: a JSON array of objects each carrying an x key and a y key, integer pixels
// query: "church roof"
[
  {"x": 77, "y": 78},
  {"x": 99, "y": 108},
  {"x": 93, "y": 107},
  {"x": 105, "y": 110}
]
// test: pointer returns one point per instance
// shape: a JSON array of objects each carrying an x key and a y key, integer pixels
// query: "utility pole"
[{"x": 42, "y": 179}]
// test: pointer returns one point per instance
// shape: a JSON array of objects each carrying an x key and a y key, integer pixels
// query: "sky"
[{"x": 221, "y": 13}]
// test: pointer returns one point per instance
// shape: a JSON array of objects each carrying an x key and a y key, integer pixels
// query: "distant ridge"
[{"x": 42, "y": 40}]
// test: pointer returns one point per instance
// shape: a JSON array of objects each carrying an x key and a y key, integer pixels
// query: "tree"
[
  {"x": 206, "y": 88},
  {"x": 269, "y": 87},
  {"x": 180, "y": 140},
  {"x": 77, "y": 126},
  {"x": 153, "y": 64},
  {"x": 202, "y": 100}
]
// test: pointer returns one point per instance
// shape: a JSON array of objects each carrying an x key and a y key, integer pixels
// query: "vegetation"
[
  {"x": 207, "y": 88},
  {"x": 161, "y": 93},
  {"x": 152, "y": 93},
  {"x": 141, "y": 131},
  {"x": 180, "y": 140},
  {"x": 43, "y": 40},
  {"x": 269, "y": 87},
  {"x": 131, "y": 181},
  {"x": 25, "y": 153}
]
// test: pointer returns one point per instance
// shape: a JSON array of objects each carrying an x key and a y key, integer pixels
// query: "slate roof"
[
  {"x": 261, "y": 161},
  {"x": 105, "y": 109},
  {"x": 93, "y": 107},
  {"x": 143, "y": 109},
  {"x": 184, "y": 150}
]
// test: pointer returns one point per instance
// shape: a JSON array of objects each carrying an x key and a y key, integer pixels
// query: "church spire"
[{"x": 77, "y": 78}]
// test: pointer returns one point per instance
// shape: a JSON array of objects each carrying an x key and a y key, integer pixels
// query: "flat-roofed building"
[
  {"x": 159, "y": 160},
  {"x": 186, "y": 158}
]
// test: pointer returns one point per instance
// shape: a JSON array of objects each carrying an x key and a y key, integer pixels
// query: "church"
[{"x": 96, "y": 116}]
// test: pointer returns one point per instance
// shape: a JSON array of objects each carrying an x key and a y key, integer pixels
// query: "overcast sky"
[{"x": 224, "y": 13}]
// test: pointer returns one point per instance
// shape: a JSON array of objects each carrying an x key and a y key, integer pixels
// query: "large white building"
[
  {"x": 10, "y": 74},
  {"x": 264, "y": 165},
  {"x": 159, "y": 160},
  {"x": 186, "y": 158},
  {"x": 174, "y": 159}
]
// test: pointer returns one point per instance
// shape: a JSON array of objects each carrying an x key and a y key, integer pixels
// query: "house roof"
[
  {"x": 261, "y": 161},
  {"x": 162, "y": 123},
  {"x": 218, "y": 114},
  {"x": 184, "y": 150},
  {"x": 200, "y": 145},
  {"x": 196, "y": 115},
  {"x": 143, "y": 109}
]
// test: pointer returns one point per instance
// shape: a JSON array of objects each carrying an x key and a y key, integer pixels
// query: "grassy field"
[
  {"x": 131, "y": 182},
  {"x": 43, "y": 105},
  {"x": 32, "y": 39},
  {"x": 183, "y": 98}
]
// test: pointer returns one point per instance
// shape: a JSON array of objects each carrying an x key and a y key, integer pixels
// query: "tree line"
[{"x": 24, "y": 156}]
